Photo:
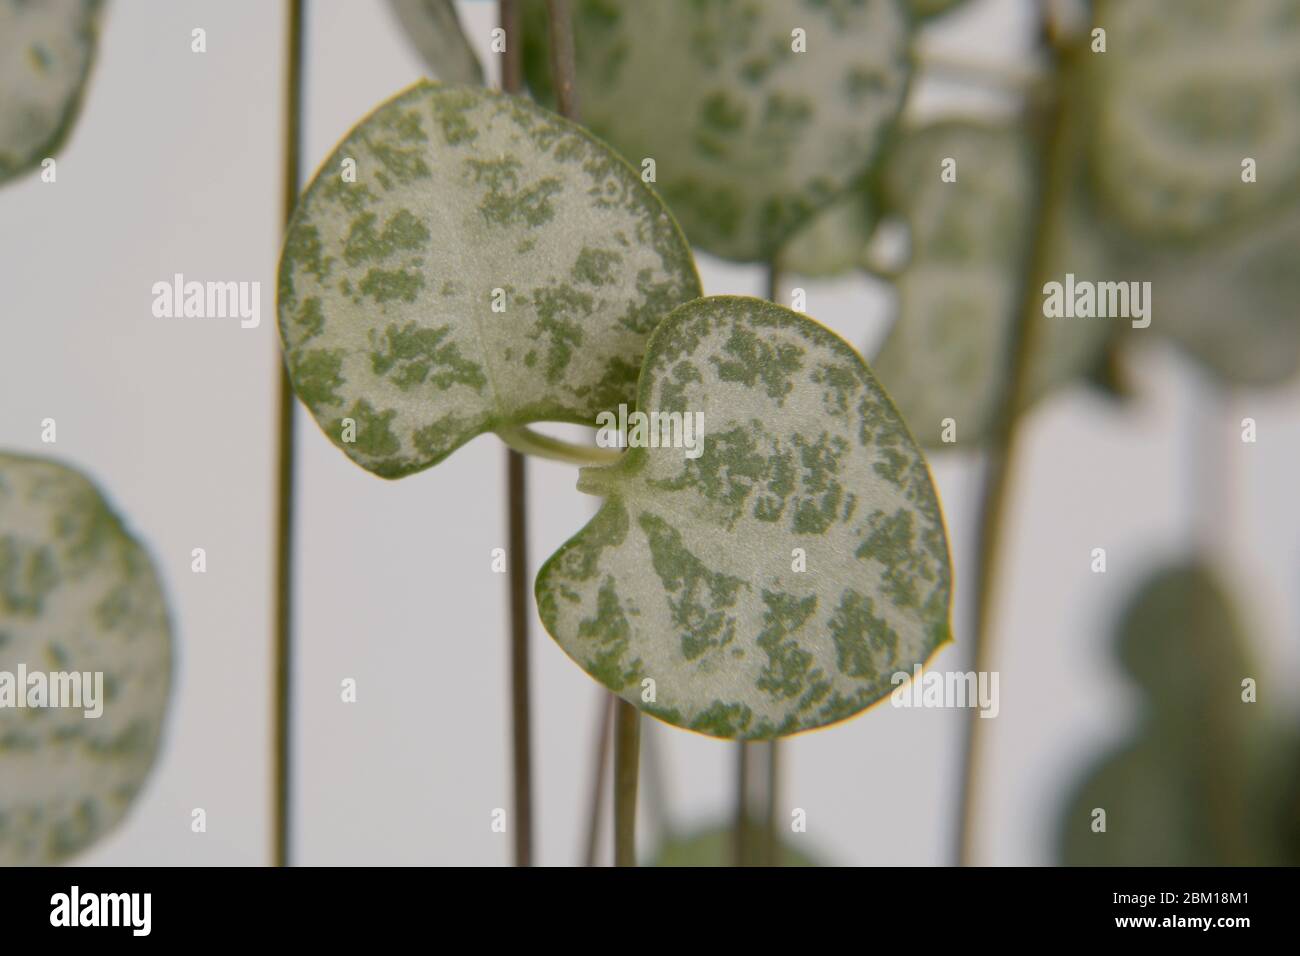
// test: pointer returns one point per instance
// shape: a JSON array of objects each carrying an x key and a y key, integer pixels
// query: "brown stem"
[
  {"x": 517, "y": 544},
  {"x": 285, "y": 461},
  {"x": 564, "y": 69}
]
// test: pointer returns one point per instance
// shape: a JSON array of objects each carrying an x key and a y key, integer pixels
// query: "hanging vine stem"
[
  {"x": 285, "y": 467},
  {"x": 1046, "y": 116},
  {"x": 517, "y": 542}
]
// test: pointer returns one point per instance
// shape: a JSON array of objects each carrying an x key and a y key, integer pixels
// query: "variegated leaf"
[
  {"x": 434, "y": 30},
  {"x": 492, "y": 265},
  {"x": 776, "y": 581},
  {"x": 749, "y": 137},
  {"x": 77, "y": 594},
  {"x": 1187, "y": 90},
  {"x": 947, "y": 355},
  {"x": 46, "y": 50}
]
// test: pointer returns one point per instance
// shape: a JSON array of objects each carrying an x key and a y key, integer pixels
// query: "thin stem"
[
  {"x": 521, "y": 734},
  {"x": 740, "y": 847},
  {"x": 563, "y": 59},
  {"x": 600, "y": 773},
  {"x": 512, "y": 61},
  {"x": 771, "y": 840},
  {"x": 282, "y": 705},
  {"x": 1052, "y": 181},
  {"x": 528, "y": 442},
  {"x": 517, "y": 546},
  {"x": 627, "y": 739}
]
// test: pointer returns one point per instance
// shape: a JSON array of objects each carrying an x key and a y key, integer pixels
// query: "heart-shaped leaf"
[
  {"x": 749, "y": 136},
  {"x": 947, "y": 355},
  {"x": 1185, "y": 92},
  {"x": 776, "y": 581},
  {"x": 491, "y": 265},
  {"x": 434, "y": 30},
  {"x": 78, "y": 595},
  {"x": 46, "y": 50}
]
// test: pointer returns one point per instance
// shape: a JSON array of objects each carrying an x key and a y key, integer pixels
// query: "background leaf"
[
  {"x": 749, "y": 137},
  {"x": 713, "y": 846},
  {"x": 434, "y": 30},
  {"x": 77, "y": 593},
  {"x": 1184, "y": 92},
  {"x": 685, "y": 575},
  {"x": 933, "y": 8},
  {"x": 1200, "y": 783},
  {"x": 834, "y": 241},
  {"x": 46, "y": 50},
  {"x": 386, "y": 284},
  {"x": 946, "y": 355}
]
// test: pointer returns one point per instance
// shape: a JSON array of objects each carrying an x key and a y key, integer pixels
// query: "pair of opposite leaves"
[{"x": 772, "y": 585}]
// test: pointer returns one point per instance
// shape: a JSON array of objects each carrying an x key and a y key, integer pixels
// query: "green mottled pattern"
[
  {"x": 77, "y": 593},
  {"x": 749, "y": 137},
  {"x": 386, "y": 284},
  {"x": 435, "y": 31},
  {"x": 46, "y": 49},
  {"x": 1185, "y": 91},
  {"x": 946, "y": 355},
  {"x": 685, "y": 575}
]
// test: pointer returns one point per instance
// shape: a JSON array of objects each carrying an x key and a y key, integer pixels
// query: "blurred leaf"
[
  {"x": 1234, "y": 305},
  {"x": 1198, "y": 784},
  {"x": 77, "y": 594},
  {"x": 925, "y": 9},
  {"x": 946, "y": 355},
  {"x": 749, "y": 137},
  {"x": 686, "y": 575},
  {"x": 1185, "y": 91},
  {"x": 713, "y": 847},
  {"x": 834, "y": 241},
  {"x": 387, "y": 283},
  {"x": 434, "y": 30},
  {"x": 46, "y": 50}
]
